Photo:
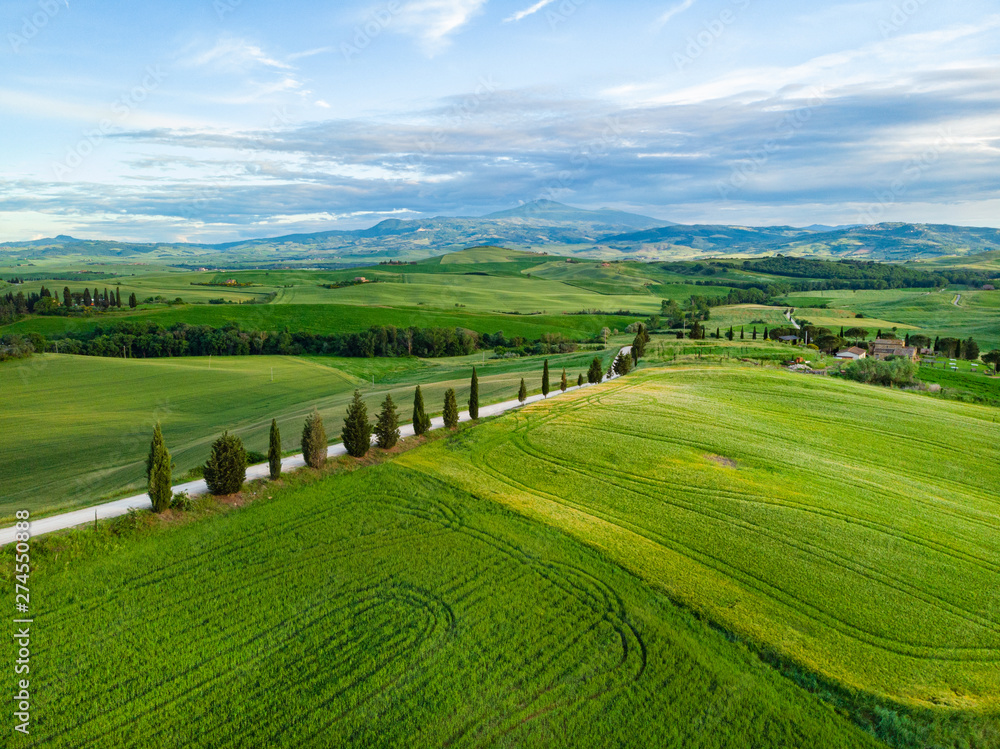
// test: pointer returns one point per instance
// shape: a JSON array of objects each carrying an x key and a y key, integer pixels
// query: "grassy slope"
[
  {"x": 388, "y": 608},
  {"x": 851, "y": 529},
  {"x": 337, "y": 318},
  {"x": 932, "y": 313},
  {"x": 85, "y": 421}
]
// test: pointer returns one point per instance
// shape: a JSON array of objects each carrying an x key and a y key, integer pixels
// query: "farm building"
[
  {"x": 882, "y": 348},
  {"x": 788, "y": 338},
  {"x": 853, "y": 353}
]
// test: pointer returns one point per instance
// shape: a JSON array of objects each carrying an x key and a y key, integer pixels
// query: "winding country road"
[
  {"x": 957, "y": 299},
  {"x": 119, "y": 507}
]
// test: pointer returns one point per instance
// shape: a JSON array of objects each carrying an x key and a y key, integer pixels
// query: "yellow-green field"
[{"x": 852, "y": 529}]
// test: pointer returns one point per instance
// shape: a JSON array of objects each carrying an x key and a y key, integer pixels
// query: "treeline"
[
  {"x": 46, "y": 302},
  {"x": 143, "y": 339},
  {"x": 863, "y": 274}
]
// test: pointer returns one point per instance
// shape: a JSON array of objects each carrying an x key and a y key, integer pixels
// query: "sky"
[{"x": 217, "y": 120}]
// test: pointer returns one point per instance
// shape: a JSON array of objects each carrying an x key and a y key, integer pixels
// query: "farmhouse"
[
  {"x": 883, "y": 348},
  {"x": 788, "y": 338},
  {"x": 853, "y": 353}
]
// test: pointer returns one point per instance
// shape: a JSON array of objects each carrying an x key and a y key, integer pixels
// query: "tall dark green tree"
[
  {"x": 133, "y": 300},
  {"x": 545, "y": 379},
  {"x": 357, "y": 432},
  {"x": 596, "y": 371},
  {"x": 158, "y": 468},
  {"x": 730, "y": 334},
  {"x": 755, "y": 334},
  {"x": 67, "y": 297},
  {"x": 87, "y": 300},
  {"x": 118, "y": 297},
  {"x": 274, "y": 451},
  {"x": 421, "y": 421},
  {"x": 970, "y": 349},
  {"x": 450, "y": 409},
  {"x": 579, "y": 380},
  {"x": 314, "y": 440},
  {"x": 226, "y": 469},
  {"x": 474, "y": 396},
  {"x": 387, "y": 424},
  {"x": 622, "y": 365},
  {"x": 742, "y": 337},
  {"x": 563, "y": 383}
]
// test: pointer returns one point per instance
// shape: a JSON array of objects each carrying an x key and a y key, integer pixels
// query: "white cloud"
[
  {"x": 321, "y": 103},
  {"x": 671, "y": 12},
  {"x": 529, "y": 11},
  {"x": 231, "y": 54},
  {"x": 433, "y": 21}
]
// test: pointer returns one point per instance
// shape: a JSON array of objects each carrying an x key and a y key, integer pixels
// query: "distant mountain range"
[{"x": 539, "y": 225}]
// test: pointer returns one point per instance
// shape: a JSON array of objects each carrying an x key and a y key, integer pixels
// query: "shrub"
[
  {"x": 314, "y": 441},
  {"x": 226, "y": 469},
  {"x": 182, "y": 502},
  {"x": 888, "y": 373}
]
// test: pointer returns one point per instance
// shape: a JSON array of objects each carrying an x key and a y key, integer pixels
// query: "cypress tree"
[
  {"x": 718, "y": 334},
  {"x": 118, "y": 297},
  {"x": 158, "y": 467},
  {"x": 842, "y": 331},
  {"x": 563, "y": 384},
  {"x": 755, "y": 334},
  {"x": 387, "y": 425},
  {"x": 545, "y": 379},
  {"x": 937, "y": 341},
  {"x": 67, "y": 297},
  {"x": 226, "y": 469},
  {"x": 357, "y": 432},
  {"x": 314, "y": 440},
  {"x": 522, "y": 392},
  {"x": 765, "y": 332},
  {"x": 421, "y": 421},
  {"x": 741, "y": 334},
  {"x": 730, "y": 334},
  {"x": 579, "y": 380},
  {"x": 86, "y": 298},
  {"x": 474, "y": 396},
  {"x": 595, "y": 372},
  {"x": 274, "y": 451},
  {"x": 133, "y": 300},
  {"x": 879, "y": 334},
  {"x": 450, "y": 409}
]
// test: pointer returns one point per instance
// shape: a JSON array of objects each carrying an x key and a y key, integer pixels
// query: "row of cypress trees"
[{"x": 225, "y": 471}]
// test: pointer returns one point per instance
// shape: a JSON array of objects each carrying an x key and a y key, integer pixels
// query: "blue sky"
[{"x": 213, "y": 120}]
